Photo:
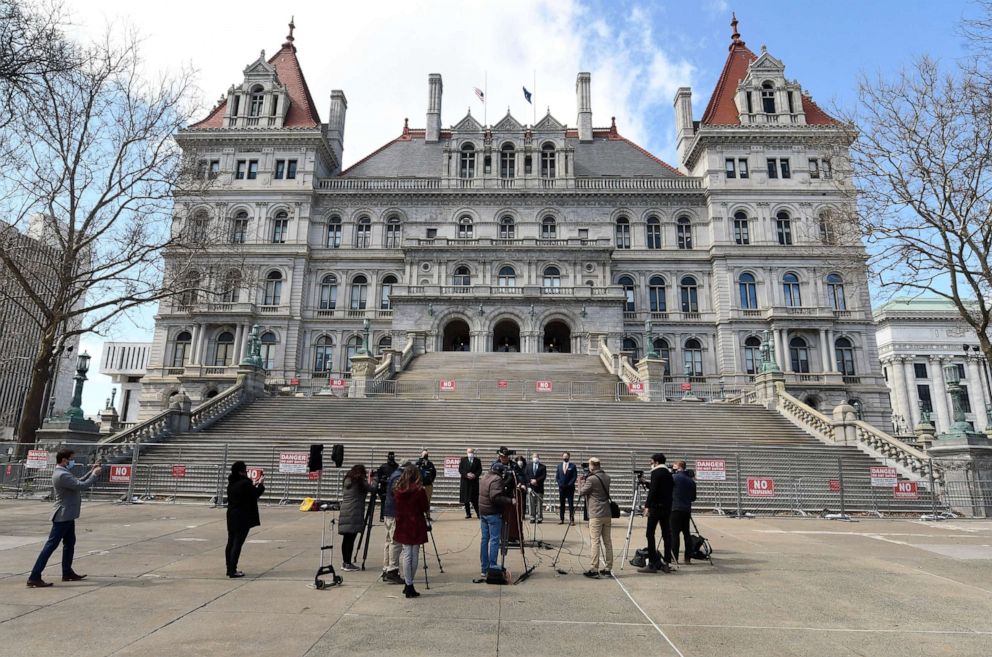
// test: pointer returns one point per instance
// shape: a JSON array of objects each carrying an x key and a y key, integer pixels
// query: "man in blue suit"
[{"x": 565, "y": 475}]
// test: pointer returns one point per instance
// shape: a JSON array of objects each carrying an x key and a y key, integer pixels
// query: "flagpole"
[
  {"x": 533, "y": 106},
  {"x": 485, "y": 100}
]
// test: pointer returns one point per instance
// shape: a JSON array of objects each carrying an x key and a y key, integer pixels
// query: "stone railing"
[
  {"x": 618, "y": 364},
  {"x": 407, "y": 354},
  {"x": 908, "y": 459},
  {"x": 530, "y": 183},
  {"x": 384, "y": 370},
  {"x": 746, "y": 397},
  {"x": 809, "y": 420}
]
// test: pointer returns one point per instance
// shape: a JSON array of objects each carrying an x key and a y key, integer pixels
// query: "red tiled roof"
[{"x": 302, "y": 110}]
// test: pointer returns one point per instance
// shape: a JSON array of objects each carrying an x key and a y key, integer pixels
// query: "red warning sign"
[
  {"x": 760, "y": 487},
  {"x": 178, "y": 471},
  {"x": 255, "y": 474},
  {"x": 544, "y": 386},
  {"x": 120, "y": 474},
  {"x": 906, "y": 490},
  {"x": 447, "y": 385}
]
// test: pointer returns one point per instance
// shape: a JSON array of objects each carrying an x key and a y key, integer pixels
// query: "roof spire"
[
  {"x": 735, "y": 35},
  {"x": 289, "y": 37}
]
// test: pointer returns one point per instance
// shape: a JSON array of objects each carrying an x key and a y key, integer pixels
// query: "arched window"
[
  {"x": 835, "y": 292},
  {"x": 791, "y": 291},
  {"x": 683, "y": 233},
  {"x": 653, "y": 233},
  {"x": 507, "y": 161},
  {"x": 630, "y": 349},
  {"x": 465, "y": 227},
  {"x": 359, "y": 292},
  {"x": 548, "y": 160},
  {"x": 190, "y": 289},
  {"x": 181, "y": 349},
  {"x": 273, "y": 289},
  {"x": 748, "y": 291},
  {"x": 844, "y": 351},
  {"x": 689, "y": 292},
  {"x": 386, "y": 289},
  {"x": 334, "y": 232},
  {"x": 768, "y": 98},
  {"x": 323, "y": 354},
  {"x": 783, "y": 227},
  {"x": 466, "y": 161},
  {"x": 549, "y": 229},
  {"x": 280, "y": 227},
  {"x": 628, "y": 292},
  {"x": 231, "y": 291},
  {"x": 826, "y": 223},
  {"x": 665, "y": 353},
  {"x": 692, "y": 358},
  {"x": 328, "y": 292},
  {"x": 799, "y": 355},
  {"x": 256, "y": 99},
  {"x": 752, "y": 354},
  {"x": 225, "y": 347},
  {"x": 393, "y": 230},
  {"x": 507, "y": 277},
  {"x": 656, "y": 294},
  {"x": 239, "y": 227},
  {"x": 363, "y": 233},
  {"x": 507, "y": 229},
  {"x": 385, "y": 342},
  {"x": 742, "y": 231},
  {"x": 462, "y": 277},
  {"x": 354, "y": 343},
  {"x": 268, "y": 350},
  {"x": 623, "y": 233},
  {"x": 552, "y": 278}
]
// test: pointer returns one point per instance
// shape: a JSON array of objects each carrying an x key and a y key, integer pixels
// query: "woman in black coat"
[
  {"x": 242, "y": 513},
  {"x": 355, "y": 491}
]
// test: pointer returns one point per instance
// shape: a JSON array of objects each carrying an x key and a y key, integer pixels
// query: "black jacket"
[
  {"x": 242, "y": 503},
  {"x": 382, "y": 475},
  {"x": 566, "y": 474},
  {"x": 660, "y": 490},
  {"x": 684, "y": 493},
  {"x": 468, "y": 490},
  {"x": 428, "y": 473},
  {"x": 539, "y": 473}
]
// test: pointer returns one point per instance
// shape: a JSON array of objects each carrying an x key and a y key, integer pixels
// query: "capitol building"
[{"x": 557, "y": 236}]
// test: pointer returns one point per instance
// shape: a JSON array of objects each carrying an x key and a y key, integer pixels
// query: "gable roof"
[
  {"x": 302, "y": 110},
  {"x": 722, "y": 110}
]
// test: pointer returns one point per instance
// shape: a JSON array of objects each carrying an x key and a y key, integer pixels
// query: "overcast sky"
[{"x": 638, "y": 53}]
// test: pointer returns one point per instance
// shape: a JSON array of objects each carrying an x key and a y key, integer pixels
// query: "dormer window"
[
  {"x": 256, "y": 100},
  {"x": 768, "y": 98}
]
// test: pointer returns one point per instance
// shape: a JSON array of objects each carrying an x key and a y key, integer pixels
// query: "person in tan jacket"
[{"x": 596, "y": 489}]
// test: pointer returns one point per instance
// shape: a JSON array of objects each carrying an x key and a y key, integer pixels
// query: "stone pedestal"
[
  {"x": 925, "y": 433},
  {"x": 965, "y": 457},
  {"x": 362, "y": 370},
  {"x": 845, "y": 431},
  {"x": 74, "y": 432},
  {"x": 109, "y": 421},
  {"x": 766, "y": 387},
  {"x": 652, "y": 374}
]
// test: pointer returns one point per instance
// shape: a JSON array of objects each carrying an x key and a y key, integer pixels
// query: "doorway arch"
[
  {"x": 457, "y": 336},
  {"x": 557, "y": 337},
  {"x": 506, "y": 336}
]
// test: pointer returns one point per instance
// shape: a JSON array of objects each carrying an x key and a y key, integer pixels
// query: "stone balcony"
[
  {"x": 448, "y": 292},
  {"x": 527, "y": 183},
  {"x": 489, "y": 242}
]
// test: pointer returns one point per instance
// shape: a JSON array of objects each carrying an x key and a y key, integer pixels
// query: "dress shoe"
[
  {"x": 607, "y": 573},
  {"x": 592, "y": 574},
  {"x": 38, "y": 583},
  {"x": 649, "y": 569},
  {"x": 73, "y": 577},
  {"x": 236, "y": 574}
]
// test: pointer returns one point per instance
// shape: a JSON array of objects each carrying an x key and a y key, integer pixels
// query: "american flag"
[{"x": 481, "y": 96}]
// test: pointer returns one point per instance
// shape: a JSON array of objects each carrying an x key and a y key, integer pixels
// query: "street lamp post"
[
  {"x": 82, "y": 367},
  {"x": 366, "y": 326},
  {"x": 649, "y": 332}
]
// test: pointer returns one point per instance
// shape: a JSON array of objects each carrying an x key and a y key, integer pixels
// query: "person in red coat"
[{"x": 411, "y": 523}]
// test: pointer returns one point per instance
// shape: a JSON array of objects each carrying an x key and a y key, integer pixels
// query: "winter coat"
[
  {"x": 428, "y": 473},
  {"x": 242, "y": 503},
  {"x": 492, "y": 497},
  {"x": 68, "y": 499},
  {"x": 684, "y": 493},
  {"x": 411, "y": 524},
  {"x": 468, "y": 490},
  {"x": 354, "y": 495},
  {"x": 389, "y": 501},
  {"x": 383, "y": 474}
]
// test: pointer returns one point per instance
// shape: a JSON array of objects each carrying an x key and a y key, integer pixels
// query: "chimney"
[
  {"x": 582, "y": 97},
  {"x": 335, "y": 124},
  {"x": 434, "y": 89},
  {"x": 684, "y": 128}
]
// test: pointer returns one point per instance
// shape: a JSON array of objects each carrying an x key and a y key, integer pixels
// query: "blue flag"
[{"x": 527, "y": 95}]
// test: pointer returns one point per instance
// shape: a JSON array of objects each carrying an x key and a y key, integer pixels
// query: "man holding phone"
[
  {"x": 68, "y": 500},
  {"x": 242, "y": 513}
]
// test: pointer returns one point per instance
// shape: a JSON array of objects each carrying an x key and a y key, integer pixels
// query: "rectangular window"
[
  {"x": 487, "y": 165},
  {"x": 431, "y": 233},
  {"x": 961, "y": 373},
  {"x": 784, "y": 229},
  {"x": 239, "y": 172},
  {"x": 750, "y": 106},
  {"x": 290, "y": 169},
  {"x": 333, "y": 236},
  {"x": 828, "y": 171},
  {"x": 201, "y": 169},
  {"x": 742, "y": 235},
  {"x": 792, "y": 107},
  {"x": 965, "y": 400},
  {"x": 583, "y": 233},
  {"x": 784, "y": 165},
  {"x": 731, "y": 167},
  {"x": 923, "y": 392},
  {"x": 528, "y": 166},
  {"x": 920, "y": 369},
  {"x": 742, "y": 168},
  {"x": 814, "y": 168},
  {"x": 280, "y": 169},
  {"x": 252, "y": 169},
  {"x": 772, "y": 168},
  {"x": 214, "y": 169}
]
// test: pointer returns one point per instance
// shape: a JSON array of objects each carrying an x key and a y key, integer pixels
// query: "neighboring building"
[
  {"x": 516, "y": 237},
  {"x": 917, "y": 338},
  {"x": 20, "y": 333},
  {"x": 126, "y": 363}
]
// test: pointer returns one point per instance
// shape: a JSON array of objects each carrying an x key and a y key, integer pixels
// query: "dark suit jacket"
[
  {"x": 566, "y": 476},
  {"x": 540, "y": 473},
  {"x": 660, "y": 491}
]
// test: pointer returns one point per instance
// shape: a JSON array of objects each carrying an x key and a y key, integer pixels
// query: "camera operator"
[
  {"x": 658, "y": 509},
  {"x": 428, "y": 473},
  {"x": 382, "y": 476},
  {"x": 595, "y": 487},
  {"x": 683, "y": 495},
  {"x": 495, "y": 492}
]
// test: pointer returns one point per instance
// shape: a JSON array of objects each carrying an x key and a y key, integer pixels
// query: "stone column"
[
  {"x": 831, "y": 363},
  {"x": 897, "y": 379},
  {"x": 942, "y": 419},
  {"x": 824, "y": 351},
  {"x": 976, "y": 393},
  {"x": 785, "y": 362},
  {"x": 912, "y": 398},
  {"x": 238, "y": 335}
]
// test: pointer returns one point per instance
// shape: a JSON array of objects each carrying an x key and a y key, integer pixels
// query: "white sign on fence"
[
  {"x": 711, "y": 470},
  {"x": 293, "y": 462},
  {"x": 37, "y": 459},
  {"x": 883, "y": 476},
  {"x": 451, "y": 467}
]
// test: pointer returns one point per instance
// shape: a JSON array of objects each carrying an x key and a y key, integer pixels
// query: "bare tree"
[
  {"x": 921, "y": 159},
  {"x": 97, "y": 172}
]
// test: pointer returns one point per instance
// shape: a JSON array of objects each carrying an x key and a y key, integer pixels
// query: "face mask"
[
  {"x": 537, "y": 460},
  {"x": 471, "y": 455},
  {"x": 71, "y": 464},
  {"x": 565, "y": 459}
]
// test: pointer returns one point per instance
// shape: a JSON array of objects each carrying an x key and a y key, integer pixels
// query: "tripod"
[
  {"x": 430, "y": 530},
  {"x": 534, "y": 543},
  {"x": 635, "y": 506},
  {"x": 365, "y": 538},
  {"x": 504, "y": 537}
]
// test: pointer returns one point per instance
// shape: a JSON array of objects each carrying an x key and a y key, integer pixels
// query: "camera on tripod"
[{"x": 585, "y": 468}]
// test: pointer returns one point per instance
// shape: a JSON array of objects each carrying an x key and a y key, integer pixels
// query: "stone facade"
[{"x": 526, "y": 237}]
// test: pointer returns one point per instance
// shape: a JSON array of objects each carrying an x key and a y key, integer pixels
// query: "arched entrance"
[
  {"x": 557, "y": 337},
  {"x": 456, "y": 336},
  {"x": 506, "y": 336}
]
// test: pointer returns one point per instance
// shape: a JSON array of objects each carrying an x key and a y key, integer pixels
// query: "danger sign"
[
  {"x": 883, "y": 476},
  {"x": 120, "y": 474},
  {"x": 447, "y": 385},
  {"x": 635, "y": 388},
  {"x": 835, "y": 485},
  {"x": 178, "y": 471},
  {"x": 293, "y": 462},
  {"x": 255, "y": 474},
  {"x": 711, "y": 470},
  {"x": 37, "y": 459},
  {"x": 760, "y": 487},
  {"x": 502, "y": 384},
  {"x": 686, "y": 387},
  {"x": 543, "y": 386},
  {"x": 451, "y": 467},
  {"x": 906, "y": 490}
]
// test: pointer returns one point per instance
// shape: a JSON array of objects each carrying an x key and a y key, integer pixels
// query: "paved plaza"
[{"x": 777, "y": 586}]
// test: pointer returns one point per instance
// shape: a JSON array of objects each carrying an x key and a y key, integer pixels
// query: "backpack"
[
  {"x": 640, "y": 559},
  {"x": 699, "y": 548}
]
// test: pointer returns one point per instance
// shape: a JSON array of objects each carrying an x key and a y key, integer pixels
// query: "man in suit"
[
  {"x": 537, "y": 472},
  {"x": 565, "y": 475},
  {"x": 68, "y": 500},
  {"x": 470, "y": 469},
  {"x": 658, "y": 509}
]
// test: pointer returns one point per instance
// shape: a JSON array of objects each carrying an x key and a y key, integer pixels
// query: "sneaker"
[
  {"x": 350, "y": 567},
  {"x": 649, "y": 569},
  {"x": 393, "y": 577},
  {"x": 38, "y": 583},
  {"x": 592, "y": 574},
  {"x": 236, "y": 574}
]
